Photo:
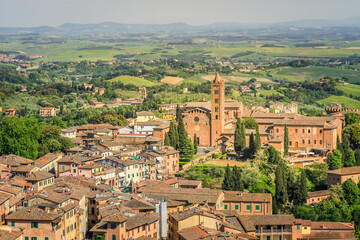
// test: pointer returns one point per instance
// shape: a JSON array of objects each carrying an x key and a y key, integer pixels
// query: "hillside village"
[{"x": 128, "y": 182}]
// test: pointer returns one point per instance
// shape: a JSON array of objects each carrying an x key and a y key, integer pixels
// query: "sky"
[{"x": 31, "y": 13}]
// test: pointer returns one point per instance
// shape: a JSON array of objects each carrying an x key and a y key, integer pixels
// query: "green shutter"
[
  {"x": 225, "y": 206},
  {"x": 236, "y": 207},
  {"x": 248, "y": 207},
  {"x": 26, "y": 238},
  {"x": 46, "y": 238},
  {"x": 257, "y": 207},
  {"x": 13, "y": 224}
]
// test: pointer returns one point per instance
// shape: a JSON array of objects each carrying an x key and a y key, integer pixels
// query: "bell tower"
[{"x": 217, "y": 108}]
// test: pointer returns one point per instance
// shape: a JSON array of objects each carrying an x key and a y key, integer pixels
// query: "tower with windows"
[{"x": 217, "y": 108}]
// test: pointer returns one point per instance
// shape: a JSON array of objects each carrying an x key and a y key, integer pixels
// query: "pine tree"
[
  {"x": 227, "y": 182},
  {"x": 257, "y": 139},
  {"x": 237, "y": 136},
  {"x": 286, "y": 141},
  {"x": 167, "y": 140},
  {"x": 195, "y": 144},
  {"x": 252, "y": 146},
  {"x": 350, "y": 160},
  {"x": 280, "y": 185}
]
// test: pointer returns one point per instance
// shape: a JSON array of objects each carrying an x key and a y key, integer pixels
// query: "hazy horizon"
[{"x": 25, "y": 13}]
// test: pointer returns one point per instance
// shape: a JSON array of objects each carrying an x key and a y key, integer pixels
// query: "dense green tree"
[
  {"x": 228, "y": 179},
  {"x": 351, "y": 118},
  {"x": 110, "y": 117},
  {"x": 250, "y": 123},
  {"x": 333, "y": 211},
  {"x": 273, "y": 155},
  {"x": 304, "y": 213},
  {"x": 173, "y": 135},
  {"x": 257, "y": 139},
  {"x": 357, "y": 156},
  {"x": 345, "y": 148},
  {"x": 187, "y": 150},
  {"x": 351, "y": 191},
  {"x": 179, "y": 112},
  {"x": 20, "y": 136},
  {"x": 183, "y": 135},
  {"x": 167, "y": 140},
  {"x": 350, "y": 160},
  {"x": 352, "y": 132},
  {"x": 195, "y": 144},
  {"x": 317, "y": 175},
  {"x": 286, "y": 141},
  {"x": 334, "y": 160},
  {"x": 280, "y": 185},
  {"x": 302, "y": 194}
]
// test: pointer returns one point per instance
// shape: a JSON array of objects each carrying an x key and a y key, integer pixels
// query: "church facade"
[{"x": 208, "y": 119}]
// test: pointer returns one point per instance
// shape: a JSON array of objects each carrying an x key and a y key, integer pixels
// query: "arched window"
[{"x": 113, "y": 237}]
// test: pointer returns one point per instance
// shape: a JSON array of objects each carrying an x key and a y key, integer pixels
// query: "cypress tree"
[
  {"x": 252, "y": 146},
  {"x": 238, "y": 184},
  {"x": 179, "y": 112},
  {"x": 345, "y": 147},
  {"x": 303, "y": 186},
  {"x": 286, "y": 141},
  {"x": 280, "y": 185},
  {"x": 195, "y": 144},
  {"x": 242, "y": 137},
  {"x": 227, "y": 182},
  {"x": 182, "y": 134},
  {"x": 173, "y": 135},
  {"x": 167, "y": 140},
  {"x": 237, "y": 136},
  {"x": 257, "y": 139}
]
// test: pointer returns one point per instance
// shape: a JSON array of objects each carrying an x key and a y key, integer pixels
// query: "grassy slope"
[
  {"x": 344, "y": 101},
  {"x": 139, "y": 82},
  {"x": 350, "y": 89}
]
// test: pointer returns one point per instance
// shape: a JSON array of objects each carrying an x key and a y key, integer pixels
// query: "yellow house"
[
  {"x": 169, "y": 115},
  {"x": 191, "y": 218}
]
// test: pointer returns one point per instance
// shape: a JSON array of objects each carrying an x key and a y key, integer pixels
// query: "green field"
[
  {"x": 344, "y": 101},
  {"x": 350, "y": 89},
  {"x": 139, "y": 82},
  {"x": 128, "y": 94},
  {"x": 269, "y": 92},
  {"x": 315, "y": 73}
]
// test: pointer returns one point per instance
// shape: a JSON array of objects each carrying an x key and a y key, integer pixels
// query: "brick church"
[
  {"x": 208, "y": 119},
  {"x": 214, "y": 123}
]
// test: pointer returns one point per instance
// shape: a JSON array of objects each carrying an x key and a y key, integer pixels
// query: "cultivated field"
[
  {"x": 350, "y": 89},
  {"x": 172, "y": 80}
]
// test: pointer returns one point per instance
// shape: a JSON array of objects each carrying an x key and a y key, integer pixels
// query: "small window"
[
  {"x": 216, "y": 109},
  {"x": 308, "y": 130},
  {"x": 257, "y": 207},
  {"x": 314, "y": 141},
  {"x": 216, "y": 100},
  {"x": 303, "y": 141},
  {"x": 216, "y": 92},
  {"x": 26, "y": 238},
  {"x": 46, "y": 238},
  {"x": 309, "y": 141},
  {"x": 248, "y": 207},
  {"x": 13, "y": 224},
  {"x": 320, "y": 141},
  {"x": 277, "y": 130},
  {"x": 122, "y": 225},
  {"x": 113, "y": 225},
  {"x": 33, "y": 238},
  {"x": 296, "y": 131},
  {"x": 303, "y": 130},
  {"x": 225, "y": 206},
  {"x": 34, "y": 225},
  {"x": 62, "y": 167},
  {"x": 320, "y": 130},
  {"x": 196, "y": 119},
  {"x": 113, "y": 237}
]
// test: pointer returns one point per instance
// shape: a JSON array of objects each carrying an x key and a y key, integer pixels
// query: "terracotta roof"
[
  {"x": 13, "y": 159},
  {"x": 331, "y": 226},
  {"x": 33, "y": 213},
  {"x": 141, "y": 219},
  {"x": 273, "y": 115},
  {"x": 185, "y": 182},
  {"x": 235, "y": 196},
  {"x": 40, "y": 175},
  {"x": 7, "y": 235},
  {"x": 115, "y": 218},
  {"x": 186, "y": 214},
  {"x": 197, "y": 232},
  {"x": 346, "y": 171},
  {"x": 218, "y": 79},
  {"x": 318, "y": 193},
  {"x": 138, "y": 204},
  {"x": 273, "y": 219},
  {"x": 40, "y": 162},
  {"x": 4, "y": 197},
  {"x": 26, "y": 168},
  {"x": 190, "y": 196},
  {"x": 332, "y": 235}
]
